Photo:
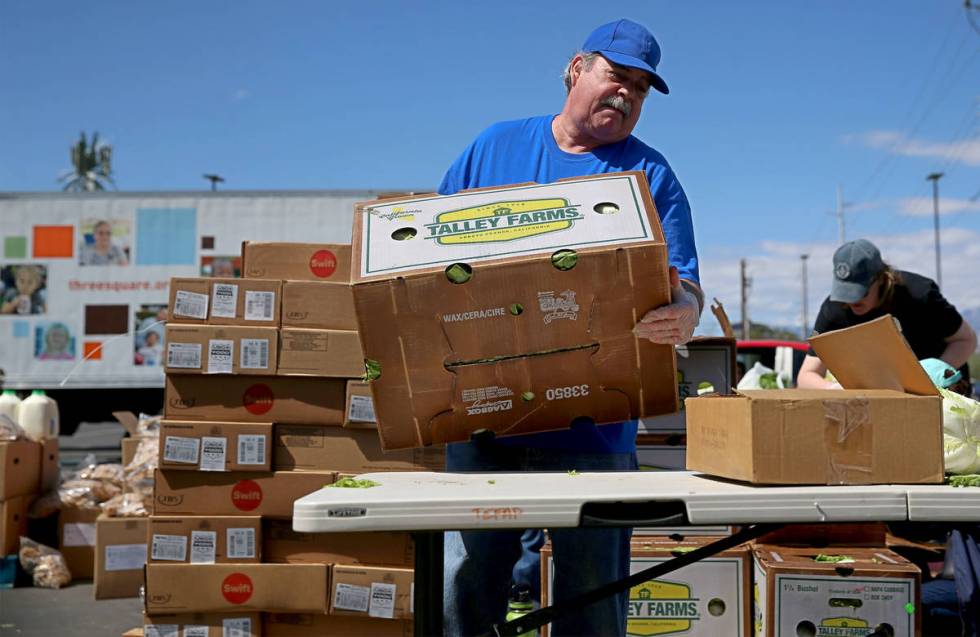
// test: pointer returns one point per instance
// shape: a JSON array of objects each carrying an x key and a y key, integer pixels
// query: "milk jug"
[
  {"x": 38, "y": 416},
  {"x": 9, "y": 403}
]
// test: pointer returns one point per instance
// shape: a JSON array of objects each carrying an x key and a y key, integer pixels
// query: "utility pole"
[
  {"x": 215, "y": 180},
  {"x": 806, "y": 325},
  {"x": 745, "y": 303},
  {"x": 840, "y": 214},
  {"x": 934, "y": 178}
]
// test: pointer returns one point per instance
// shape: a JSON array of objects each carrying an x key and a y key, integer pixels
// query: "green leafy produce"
[
  {"x": 833, "y": 559},
  {"x": 491, "y": 482},
  {"x": 564, "y": 259},
  {"x": 354, "y": 483},
  {"x": 969, "y": 480},
  {"x": 769, "y": 381},
  {"x": 459, "y": 273},
  {"x": 573, "y": 472},
  {"x": 372, "y": 369}
]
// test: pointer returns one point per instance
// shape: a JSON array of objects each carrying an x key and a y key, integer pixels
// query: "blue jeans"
[{"x": 479, "y": 565}]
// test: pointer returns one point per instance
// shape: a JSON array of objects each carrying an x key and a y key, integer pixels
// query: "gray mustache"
[{"x": 620, "y": 104}]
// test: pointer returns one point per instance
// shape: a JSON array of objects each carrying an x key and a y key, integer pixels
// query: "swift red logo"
[
  {"x": 258, "y": 399},
  {"x": 323, "y": 263},
  {"x": 237, "y": 588},
  {"x": 246, "y": 495}
]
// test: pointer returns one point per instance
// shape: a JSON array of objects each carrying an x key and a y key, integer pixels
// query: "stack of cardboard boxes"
[
  {"x": 263, "y": 406},
  {"x": 27, "y": 469}
]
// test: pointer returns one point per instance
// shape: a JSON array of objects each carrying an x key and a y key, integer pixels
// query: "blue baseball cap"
[{"x": 628, "y": 44}]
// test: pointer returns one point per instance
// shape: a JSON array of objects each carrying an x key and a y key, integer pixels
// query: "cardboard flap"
[
  {"x": 873, "y": 355},
  {"x": 129, "y": 421}
]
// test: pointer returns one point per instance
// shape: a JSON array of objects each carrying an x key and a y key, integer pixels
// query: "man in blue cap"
[{"x": 606, "y": 83}]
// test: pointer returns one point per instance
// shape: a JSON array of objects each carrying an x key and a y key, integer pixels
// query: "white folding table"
[{"x": 430, "y": 503}]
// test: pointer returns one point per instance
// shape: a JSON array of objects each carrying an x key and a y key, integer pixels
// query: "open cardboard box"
[
  {"x": 885, "y": 427},
  {"x": 524, "y": 343}
]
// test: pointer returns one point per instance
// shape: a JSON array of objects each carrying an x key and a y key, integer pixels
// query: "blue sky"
[{"x": 772, "y": 106}]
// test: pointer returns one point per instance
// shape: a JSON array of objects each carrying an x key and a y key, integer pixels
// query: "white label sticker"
[
  {"x": 259, "y": 306},
  {"x": 203, "y": 545},
  {"x": 78, "y": 534},
  {"x": 361, "y": 409},
  {"x": 241, "y": 543},
  {"x": 125, "y": 557},
  {"x": 184, "y": 355},
  {"x": 221, "y": 353},
  {"x": 191, "y": 630},
  {"x": 190, "y": 304},
  {"x": 172, "y": 548},
  {"x": 382, "y": 600},
  {"x": 224, "y": 300},
  {"x": 251, "y": 449},
  {"x": 180, "y": 449},
  {"x": 161, "y": 630},
  {"x": 255, "y": 353},
  {"x": 351, "y": 597},
  {"x": 213, "y": 452},
  {"x": 236, "y": 627}
]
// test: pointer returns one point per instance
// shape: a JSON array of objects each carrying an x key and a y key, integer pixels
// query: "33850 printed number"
[{"x": 561, "y": 393}]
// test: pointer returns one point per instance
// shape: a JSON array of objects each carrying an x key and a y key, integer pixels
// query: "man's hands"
[{"x": 671, "y": 324}]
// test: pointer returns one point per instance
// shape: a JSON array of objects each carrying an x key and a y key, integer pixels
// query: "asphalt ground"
[{"x": 67, "y": 612}]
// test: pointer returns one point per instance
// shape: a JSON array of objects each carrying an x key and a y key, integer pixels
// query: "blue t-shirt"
[{"x": 526, "y": 150}]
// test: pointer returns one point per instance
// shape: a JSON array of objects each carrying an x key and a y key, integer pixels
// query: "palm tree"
[{"x": 92, "y": 164}]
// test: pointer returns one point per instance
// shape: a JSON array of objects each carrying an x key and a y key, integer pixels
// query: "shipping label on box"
[
  {"x": 519, "y": 337},
  {"x": 235, "y": 493},
  {"x": 20, "y": 468},
  {"x": 297, "y": 261},
  {"x": 250, "y": 399},
  {"x": 318, "y": 305},
  {"x": 203, "y": 625},
  {"x": 307, "y": 624},
  {"x": 205, "y": 539},
  {"x": 312, "y": 447},
  {"x": 215, "y": 446},
  {"x": 120, "y": 554},
  {"x": 368, "y": 591},
  {"x": 360, "y": 406},
  {"x": 282, "y": 544},
  {"x": 221, "y": 349},
  {"x": 217, "y": 301},
  {"x": 864, "y": 591},
  {"x": 329, "y": 353}
]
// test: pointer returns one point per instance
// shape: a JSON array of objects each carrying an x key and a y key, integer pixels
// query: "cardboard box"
[
  {"x": 120, "y": 555},
  {"x": 205, "y": 539},
  {"x": 867, "y": 534},
  {"x": 215, "y": 446},
  {"x": 221, "y": 349},
  {"x": 706, "y": 365},
  {"x": 311, "y": 447},
  {"x": 793, "y": 591},
  {"x": 194, "y": 624},
  {"x": 227, "y": 588},
  {"x": 360, "y": 406},
  {"x": 20, "y": 468},
  {"x": 330, "y": 353},
  {"x": 50, "y": 465},
  {"x": 129, "y": 447},
  {"x": 77, "y": 537},
  {"x": 521, "y": 346},
  {"x": 707, "y": 599},
  {"x": 795, "y": 436},
  {"x": 297, "y": 261},
  {"x": 250, "y": 399},
  {"x": 308, "y": 624},
  {"x": 265, "y": 494},
  {"x": 369, "y": 591},
  {"x": 13, "y": 522},
  {"x": 318, "y": 305},
  {"x": 281, "y": 544},
  {"x": 660, "y": 452},
  {"x": 216, "y": 301}
]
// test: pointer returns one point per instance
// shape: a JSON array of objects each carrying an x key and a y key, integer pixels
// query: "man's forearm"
[{"x": 958, "y": 352}]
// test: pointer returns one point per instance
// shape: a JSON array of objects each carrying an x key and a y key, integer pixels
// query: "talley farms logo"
[
  {"x": 661, "y": 608},
  {"x": 843, "y": 627},
  {"x": 503, "y": 221}
]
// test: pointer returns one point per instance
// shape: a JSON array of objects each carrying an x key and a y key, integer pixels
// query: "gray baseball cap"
[{"x": 856, "y": 264}]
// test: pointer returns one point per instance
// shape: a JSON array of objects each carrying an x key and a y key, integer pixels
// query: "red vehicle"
[{"x": 784, "y": 357}]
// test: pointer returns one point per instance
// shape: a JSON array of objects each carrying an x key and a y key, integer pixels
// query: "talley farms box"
[
  {"x": 205, "y": 539},
  {"x": 226, "y": 588},
  {"x": 318, "y": 305},
  {"x": 216, "y": 301},
  {"x": 360, "y": 406},
  {"x": 215, "y": 446},
  {"x": 221, "y": 349},
  {"x": 280, "y": 543},
  {"x": 203, "y": 625},
  {"x": 265, "y": 494},
  {"x": 252, "y": 399},
  {"x": 884, "y": 428},
  {"x": 709, "y": 598},
  {"x": 329, "y": 353},
  {"x": 372, "y": 591},
  {"x": 875, "y": 589},
  {"x": 704, "y": 365},
  {"x": 307, "y": 624},
  {"x": 20, "y": 468},
  {"x": 120, "y": 554},
  {"x": 311, "y": 447},
  {"x": 525, "y": 298},
  {"x": 296, "y": 261}
]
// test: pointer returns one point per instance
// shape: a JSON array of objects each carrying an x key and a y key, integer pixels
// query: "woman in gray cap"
[{"x": 865, "y": 288}]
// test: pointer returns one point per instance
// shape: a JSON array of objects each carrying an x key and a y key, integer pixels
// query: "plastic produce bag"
[
  {"x": 961, "y": 433},
  {"x": 45, "y": 565},
  {"x": 760, "y": 377}
]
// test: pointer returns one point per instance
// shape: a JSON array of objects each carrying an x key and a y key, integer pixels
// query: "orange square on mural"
[
  {"x": 92, "y": 350},
  {"x": 54, "y": 241}
]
